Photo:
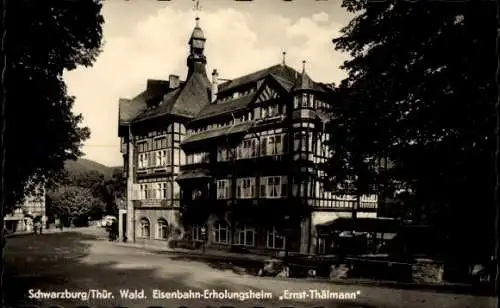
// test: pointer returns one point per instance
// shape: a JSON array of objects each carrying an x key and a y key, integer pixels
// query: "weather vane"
[{"x": 196, "y": 7}]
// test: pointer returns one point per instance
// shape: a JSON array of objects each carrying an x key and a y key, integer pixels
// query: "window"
[
  {"x": 272, "y": 111},
  {"x": 275, "y": 145},
  {"x": 300, "y": 142},
  {"x": 196, "y": 232},
  {"x": 161, "y": 229},
  {"x": 142, "y": 146},
  {"x": 304, "y": 100},
  {"x": 245, "y": 237},
  {"x": 142, "y": 192},
  {"x": 162, "y": 158},
  {"x": 310, "y": 103},
  {"x": 161, "y": 190},
  {"x": 247, "y": 149},
  {"x": 245, "y": 188},
  {"x": 143, "y": 160},
  {"x": 222, "y": 154},
  {"x": 223, "y": 189},
  {"x": 144, "y": 231},
  {"x": 296, "y": 102},
  {"x": 159, "y": 143},
  {"x": 221, "y": 233},
  {"x": 197, "y": 158},
  {"x": 275, "y": 240},
  {"x": 263, "y": 146},
  {"x": 273, "y": 187}
]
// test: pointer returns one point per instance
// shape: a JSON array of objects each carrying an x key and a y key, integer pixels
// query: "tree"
[
  {"x": 44, "y": 39},
  {"x": 421, "y": 88},
  {"x": 115, "y": 191},
  {"x": 73, "y": 202}
]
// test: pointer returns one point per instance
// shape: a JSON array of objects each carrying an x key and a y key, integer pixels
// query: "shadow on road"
[{"x": 55, "y": 262}]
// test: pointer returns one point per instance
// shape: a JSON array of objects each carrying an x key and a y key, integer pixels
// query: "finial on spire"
[
  {"x": 284, "y": 58},
  {"x": 196, "y": 8},
  {"x": 303, "y": 66}
]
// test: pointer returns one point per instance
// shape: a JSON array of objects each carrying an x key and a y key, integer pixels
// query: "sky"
[{"x": 148, "y": 39}]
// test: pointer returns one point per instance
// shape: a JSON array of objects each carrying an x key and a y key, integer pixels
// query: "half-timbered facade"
[{"x": 238, "y": 159}]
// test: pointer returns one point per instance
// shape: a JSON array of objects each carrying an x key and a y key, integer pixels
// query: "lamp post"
[
  {"x": 203, "y": 237},
  {"x": 286, "y": 219}
]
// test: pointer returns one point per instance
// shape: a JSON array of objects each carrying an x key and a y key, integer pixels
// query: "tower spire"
[
  {"x": 196, "y": 60},
  {"x": 284, "y": 58},
  {"x": 303, "y": 66}
]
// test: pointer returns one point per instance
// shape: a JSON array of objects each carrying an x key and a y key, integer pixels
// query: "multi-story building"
[
  {"x": 32, "y": 208},
  {"x": 238, "y": 158}
]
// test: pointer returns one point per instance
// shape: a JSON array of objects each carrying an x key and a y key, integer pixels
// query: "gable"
[{"x": 268, "y": 91}]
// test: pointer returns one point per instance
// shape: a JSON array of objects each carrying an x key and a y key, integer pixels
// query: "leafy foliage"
[
  {"x": 44, "y": 39},
  {"x": 420, "y": 91},
  {"x": 74, "y": 202}
]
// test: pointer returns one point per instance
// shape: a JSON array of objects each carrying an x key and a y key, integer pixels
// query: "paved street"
[{"x": 81, "y": 261}]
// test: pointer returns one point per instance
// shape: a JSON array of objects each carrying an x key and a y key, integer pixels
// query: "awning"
[{"x": 193, "y": 175}]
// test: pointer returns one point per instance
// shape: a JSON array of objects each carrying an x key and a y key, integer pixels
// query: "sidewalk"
[
  {"x": 219, "y": 255},
  {"x": 208, "y": 254},
  {"x": 45, "y": 231}
]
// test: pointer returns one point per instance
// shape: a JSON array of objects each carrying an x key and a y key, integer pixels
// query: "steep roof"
[
  {"x": 304, "y": 82},
  {"x": 283, "y": 71},
  {"x": 185, "y": 101},
  {"x": 221, "y": 108}
]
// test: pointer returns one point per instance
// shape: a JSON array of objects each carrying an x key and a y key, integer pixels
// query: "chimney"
[
  {"x": 215, "y": 81},
  {"x": 173, "y": 81}
]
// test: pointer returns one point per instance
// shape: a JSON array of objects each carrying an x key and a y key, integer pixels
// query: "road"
[{"x": 79, "y": 261}]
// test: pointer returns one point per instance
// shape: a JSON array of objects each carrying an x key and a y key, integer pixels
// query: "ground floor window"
[
  {"x": 197, "y": 233},
  {"x": 221, "y": 232},
  {"x": 275, "y": 240},
  {"x": 145, "y": 228},
  {"x": 162, "y": 229},
  {"x": 245, "y": 236}
]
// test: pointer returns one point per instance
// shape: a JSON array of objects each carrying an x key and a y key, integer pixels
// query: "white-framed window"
[
  {"x": 162, "y": 158},
  {"x": 142, "y": 191},
  {"x": 223, "y": 189},
  {"x": 247, "y": 149},
  {"x": 245, "y": 236},
  {"x": 142, "y": 146},
  {"x": 197, "y": 158},
  {"x": 300, "y": 142},
  {"x": 196, "y": 232},
  {"x": 245, "y": 188},
  {"x": 143, "y": 160},
  {"x": 221, "y": 232},
  {"x": 275, "y": 145},
  {"x": 144, "y": 228},
  {"x": 304, "y": 99},
  {"x": 273, "y": 187},
  {"x": 310, "y": 102},
  {"x": 164, "y": 190},
  {"x": 161, "y": 229},
  {"x": 275, "y": 240},
  {"x": 296, "y": 102}
]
